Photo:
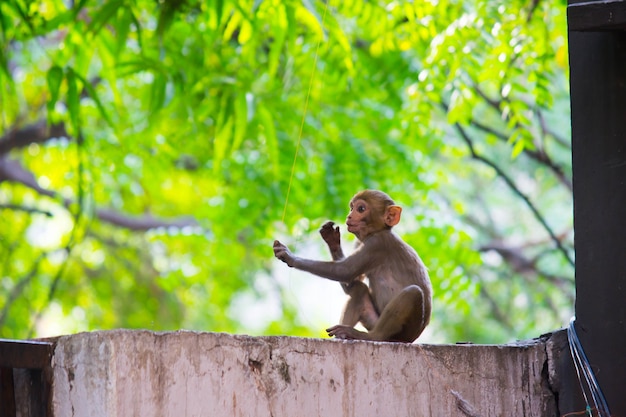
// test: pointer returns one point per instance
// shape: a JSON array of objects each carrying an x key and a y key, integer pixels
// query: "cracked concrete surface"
[{"x": 135, "y": 373}]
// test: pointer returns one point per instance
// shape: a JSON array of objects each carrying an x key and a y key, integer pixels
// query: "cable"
[{"x": 582, "y": 365}]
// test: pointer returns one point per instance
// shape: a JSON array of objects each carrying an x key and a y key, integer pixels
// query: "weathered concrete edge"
[{"x": 273, "y": 363}]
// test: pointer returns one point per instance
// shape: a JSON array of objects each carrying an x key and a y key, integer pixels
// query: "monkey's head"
[{"x": 371, "y": 211}]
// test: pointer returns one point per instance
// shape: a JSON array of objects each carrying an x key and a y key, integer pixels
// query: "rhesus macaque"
[{"x": 397, "y": 304}]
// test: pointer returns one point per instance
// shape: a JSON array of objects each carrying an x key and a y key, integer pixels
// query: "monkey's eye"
[{"x": 360, "y": 209}]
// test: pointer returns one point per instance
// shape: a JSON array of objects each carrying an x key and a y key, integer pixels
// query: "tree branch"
[
  {"x": 143, "y": 223},
  {"x": 13, "y": 171},
  {"x": 511, "y": 184},
  {"x": 547, "y": 131},
  {"x": 533, "y": 6},
  {"x": 29, "y": 210},
  {"x": 493, "y": 103},
  {"x": 523, "y": 265},
  {"x": 36, "y": 133},
  {"x": 538, "y": 155},
  {"x": 495, "y": 309}
]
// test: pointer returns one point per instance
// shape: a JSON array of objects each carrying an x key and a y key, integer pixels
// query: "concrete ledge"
[{"x": 141, "y": 373}]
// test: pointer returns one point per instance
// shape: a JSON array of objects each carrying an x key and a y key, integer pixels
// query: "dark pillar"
[{"x": 597, "y": 47}]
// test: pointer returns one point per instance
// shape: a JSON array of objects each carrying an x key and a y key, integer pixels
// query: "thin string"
[
  {"x": 304, "y": 113},
  {"x": 306, "y": 106}
]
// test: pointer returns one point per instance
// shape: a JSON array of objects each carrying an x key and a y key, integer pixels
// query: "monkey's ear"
[{"x": 392, "y": 215}]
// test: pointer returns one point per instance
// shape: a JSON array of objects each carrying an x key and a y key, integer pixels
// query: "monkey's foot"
[{"x": 341, "y": 331}]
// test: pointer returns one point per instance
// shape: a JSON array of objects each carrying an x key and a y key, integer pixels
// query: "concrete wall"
[{"x": 141, "y": 373}]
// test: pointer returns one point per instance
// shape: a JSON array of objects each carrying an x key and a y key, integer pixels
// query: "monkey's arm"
[{"x": 344, "y": 270}]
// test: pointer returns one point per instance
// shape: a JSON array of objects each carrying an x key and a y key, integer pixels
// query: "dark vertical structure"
[
  {"x": 26, "y": 378},
  {"x": 597, "y": 48}
]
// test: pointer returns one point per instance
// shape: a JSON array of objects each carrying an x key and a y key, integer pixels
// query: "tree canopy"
[{"x": 151, "y": 151}]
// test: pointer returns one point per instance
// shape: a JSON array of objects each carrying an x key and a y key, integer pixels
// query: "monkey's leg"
[
  {"x": 402, "y": 320},
  {"x": 360, "y": 306}
]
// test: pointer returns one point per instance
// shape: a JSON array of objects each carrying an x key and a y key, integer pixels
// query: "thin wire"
[
  {"x": 592, "y": 383},
  {"x": 306, "y": 106},
  {"x": 582, "y": 364},
  {"x": 576, "y": 359},
  {"x": 577, "y": 413}
]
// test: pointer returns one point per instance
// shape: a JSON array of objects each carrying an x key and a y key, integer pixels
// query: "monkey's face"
[{"x": 361, "y": 219}]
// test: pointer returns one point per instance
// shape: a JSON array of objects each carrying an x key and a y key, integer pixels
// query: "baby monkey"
[{"x": 396, "y": 305}]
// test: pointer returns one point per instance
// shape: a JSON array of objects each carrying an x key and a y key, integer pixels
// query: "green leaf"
[
  {"x": 21, "y": 12},
  {"x": 233, "y": 24},
  {"x": 58, "y": 21},
  {"x": 280, "y": 34},
  {"x": 54, "y": 78},
  {"x": 269, "y": 133},
  {"x": 255, "y": 5},
  {"x": 309, "y": 6},
  {"x": 104, "y": 14},
  {"x": 241, "y": 120},
  {"x": 94, "y": 96},
  {"x": 219, "y": 10},
  {"x": 223, "y": 132},
  {"x": 122, "y": 28},
  {"x": 245, "y": 32},
  {"x": 4, "y": 24},
  {"x": 138, "y": 30},
  {"x": 73, "y": 99},
  {"x": 518, "y": 148},
  {"x": 140, "y": 64},
  {"x": 157, "y": 92},
  {"x": 309, "y": 17},
  {"x": 78, "y": 7},
  {"x": 220, "y": 144}
]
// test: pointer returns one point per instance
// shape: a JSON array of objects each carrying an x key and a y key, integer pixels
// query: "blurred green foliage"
[{"x": 146, "y": 151}]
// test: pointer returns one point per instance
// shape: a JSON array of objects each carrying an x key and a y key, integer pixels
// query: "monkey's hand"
[
  {"x": 331, "y": 236},
  {"x": 284, "y": 254}
]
